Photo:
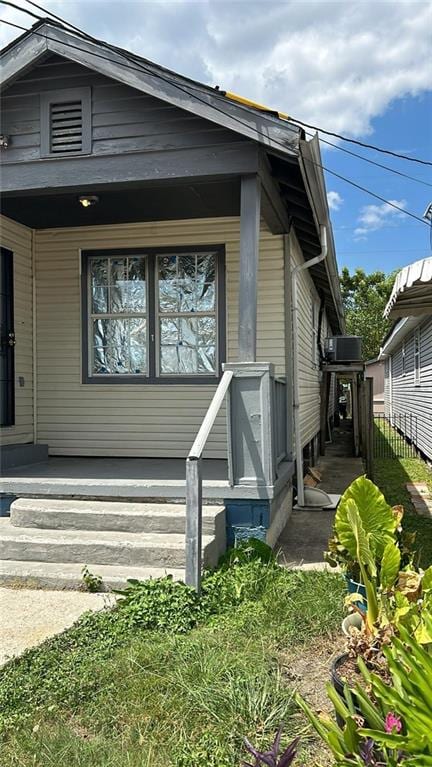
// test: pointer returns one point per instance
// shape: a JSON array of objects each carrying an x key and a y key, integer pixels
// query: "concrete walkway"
[
  {"x": 304, "y": 539},
  {"x": 28, "y": 616}
]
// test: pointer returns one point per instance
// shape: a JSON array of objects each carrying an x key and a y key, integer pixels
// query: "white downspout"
[{"x": 296, "y": 386}]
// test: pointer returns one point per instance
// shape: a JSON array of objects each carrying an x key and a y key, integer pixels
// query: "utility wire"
[
  {"x": 362, "y": 143},
  {"x": 184, "y": 90},
  {"x": 367, "y": 159}
]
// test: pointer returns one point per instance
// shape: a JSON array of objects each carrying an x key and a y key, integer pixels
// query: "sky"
[{"x": 358, "y": 68}]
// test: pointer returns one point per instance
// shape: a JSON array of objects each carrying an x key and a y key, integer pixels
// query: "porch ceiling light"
[{"x": 88, "y": 200}]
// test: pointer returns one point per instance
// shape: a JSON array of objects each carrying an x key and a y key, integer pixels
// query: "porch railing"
[
  {"x": 194, "y": 485},
  {"x": 257, "y": 443}
]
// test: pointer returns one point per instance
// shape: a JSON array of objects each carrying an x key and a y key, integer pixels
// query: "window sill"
[{"x": 146, "y": 381}]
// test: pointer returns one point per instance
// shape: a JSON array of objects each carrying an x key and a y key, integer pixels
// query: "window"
[
  {"x": 315, "y": 322},
  {"x": 417, "y": 358},
  {"x": 186, "y": 313},
  {"x": 66, "y": 122},
  {"x": 154, "y": 315}
]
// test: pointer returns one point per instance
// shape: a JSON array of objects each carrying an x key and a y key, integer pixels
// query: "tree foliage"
[{"x": 364, "y": 297}]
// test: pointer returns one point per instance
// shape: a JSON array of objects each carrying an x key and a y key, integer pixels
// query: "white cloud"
[
  {"x": 373, "y": 217},
  {"x": 335, "y": 64},
  {"x": 334, "y": 200}
]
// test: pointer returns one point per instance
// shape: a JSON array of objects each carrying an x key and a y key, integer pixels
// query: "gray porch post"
[
  {"x": 250, "y": 206},
  {"x": 251, "y": 438}
]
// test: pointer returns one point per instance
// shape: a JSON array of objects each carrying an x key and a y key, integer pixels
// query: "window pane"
[
  {"x": 137, "y": 284},
  {"x": 168, "y": 284},
  {"x": 99, "y": 271},
  {"x": 119, "y": 346},
  {"x": 188, "y": 345},
  {"x": 99, "y": 300},
  {"x": 138, "y": 345},
  {"x": 186, "y": 283}
]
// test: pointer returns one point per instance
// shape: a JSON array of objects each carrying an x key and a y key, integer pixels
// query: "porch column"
[{"x": 250, "y": 206}]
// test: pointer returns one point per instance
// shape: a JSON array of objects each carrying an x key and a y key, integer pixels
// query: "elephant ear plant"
[{"x": 379, "y": 522}]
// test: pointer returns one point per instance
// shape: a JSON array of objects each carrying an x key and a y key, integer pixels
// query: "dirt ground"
[{"x": 307, "y": 670}]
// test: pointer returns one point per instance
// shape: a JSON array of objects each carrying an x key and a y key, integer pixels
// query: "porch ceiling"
[{"x": 126, "y": 204}]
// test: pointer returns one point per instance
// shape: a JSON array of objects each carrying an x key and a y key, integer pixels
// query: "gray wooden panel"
[
  {"x": 415, "y": 400},
  {"x": 77, "y": 172},
  {"x": 250, "y": 207},
  {"x": 123, "y": 119}
]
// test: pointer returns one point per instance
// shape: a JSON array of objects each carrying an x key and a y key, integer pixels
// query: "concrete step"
[
  {"x": 67, "y": 575},
  {"x": 100, "y": 547},
  {"x": 59, "y": 514}
]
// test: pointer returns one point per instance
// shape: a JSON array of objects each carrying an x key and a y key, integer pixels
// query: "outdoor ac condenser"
[{"x": 343, "y": 349}]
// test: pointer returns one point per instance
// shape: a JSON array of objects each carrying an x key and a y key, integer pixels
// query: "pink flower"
[{"x": 393, "y": 723}]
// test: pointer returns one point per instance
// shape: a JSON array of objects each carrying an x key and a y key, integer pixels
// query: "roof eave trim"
[{"x": 275, "y": 135}]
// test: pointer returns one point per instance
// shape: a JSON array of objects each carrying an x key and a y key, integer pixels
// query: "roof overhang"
[
  {"x": 397, "y": 334},
  {"x": 412, "y": 291}
]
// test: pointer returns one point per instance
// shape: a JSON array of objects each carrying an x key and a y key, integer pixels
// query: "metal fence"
[{"x": 395, "y": 437}]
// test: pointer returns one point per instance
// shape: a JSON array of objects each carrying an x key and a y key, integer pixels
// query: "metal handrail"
[{"x": 194, "y": 485}]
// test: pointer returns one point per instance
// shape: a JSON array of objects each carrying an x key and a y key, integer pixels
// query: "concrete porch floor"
[
  {"x": 129, "y": 478},
  {"x": 111, "y": 477},
  {"x": 304, "y": 539}
]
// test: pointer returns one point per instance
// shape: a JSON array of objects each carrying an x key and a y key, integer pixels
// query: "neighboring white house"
[
  {"x": 151, "y": 229},
  {"x": 407, "y": 355}
]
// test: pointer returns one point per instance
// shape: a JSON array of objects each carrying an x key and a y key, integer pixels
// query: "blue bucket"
[{"x": 357, "y": 588}]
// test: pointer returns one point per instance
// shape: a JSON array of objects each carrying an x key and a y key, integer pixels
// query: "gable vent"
[
  {"x": 66, "y": 122},
  {"x": 66, "y": 127}
]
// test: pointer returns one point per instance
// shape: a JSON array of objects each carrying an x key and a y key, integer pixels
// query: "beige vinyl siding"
[
  {"x": 18, "y": 239},
  {"x": 308, "y": 371},
  {"x": 137, "y": 420}
]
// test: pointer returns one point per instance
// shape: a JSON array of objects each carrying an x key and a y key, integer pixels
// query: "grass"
[
  {"x": 391, "y": 475},
  {"x": 108, "y": 693}
]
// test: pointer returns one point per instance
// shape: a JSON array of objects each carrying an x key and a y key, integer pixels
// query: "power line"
[
  {"x": 236, "y": 119},
  {"x": 367, "y": 159},
  {"x": 362, "y": 143}
]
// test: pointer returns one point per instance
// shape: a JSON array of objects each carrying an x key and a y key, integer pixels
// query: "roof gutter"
[{"x": 296, "y": 378}]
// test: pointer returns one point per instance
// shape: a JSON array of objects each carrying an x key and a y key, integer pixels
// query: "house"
[
  {"x": 407, "y": 355},
  {"x": 153, "y": 232},
  {"x": 374, "y": 368}
]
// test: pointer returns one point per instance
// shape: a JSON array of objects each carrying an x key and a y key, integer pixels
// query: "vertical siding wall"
[
  {"x": 18, "y": 239},
  {"x": 308, "y": 370},
  {"x": 406, "y": 396},
  {"x": 134, "y": 420}
]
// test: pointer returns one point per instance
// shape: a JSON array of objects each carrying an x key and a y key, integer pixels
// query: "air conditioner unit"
[{"x": 343, "y": 349}]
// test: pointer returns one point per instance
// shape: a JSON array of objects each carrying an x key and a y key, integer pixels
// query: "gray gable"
[
  {"x": 123, "y": 119},
  {"x": 49, "y": 37}
]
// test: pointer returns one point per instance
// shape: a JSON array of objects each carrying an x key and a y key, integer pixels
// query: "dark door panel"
[{"x": 7, "y": 340}]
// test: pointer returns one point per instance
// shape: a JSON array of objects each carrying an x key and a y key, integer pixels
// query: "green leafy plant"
[
  {"x": 385, "y": 724},
  {"x": 160, "y": 603},
  {"x": 378, "y": 520},
  {"x": 90, "y": 581},
  {"x": 247, "y": 551}
]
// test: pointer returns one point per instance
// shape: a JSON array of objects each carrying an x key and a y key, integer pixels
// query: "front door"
[{"x": 7, "y": 340}]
